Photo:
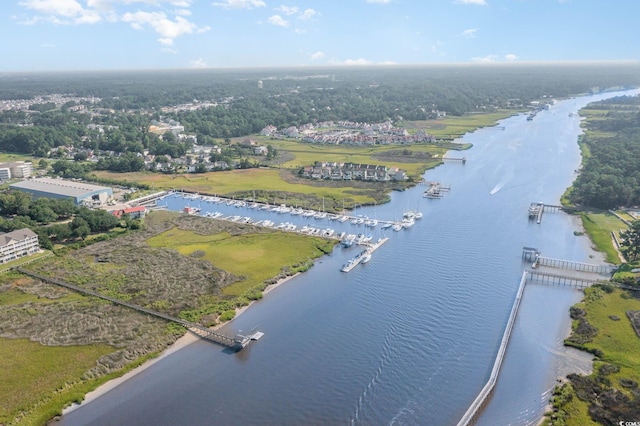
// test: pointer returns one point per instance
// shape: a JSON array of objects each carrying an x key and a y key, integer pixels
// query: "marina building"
[{"x": 79, "y": 192}]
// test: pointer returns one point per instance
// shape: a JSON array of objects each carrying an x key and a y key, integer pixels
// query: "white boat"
[
  {"x": 365, "y": 258},
  {"x": 386, "y": 225},
  {"x": 396, "y": 227},
  {"x": 407, "y": 223},
  {"x": 328, "y": 232}
]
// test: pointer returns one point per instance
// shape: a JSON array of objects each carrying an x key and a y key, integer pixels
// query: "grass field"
[
  {"x": 307, "y": 154},
  {"x": 257, "y": 257},
  {"x": 616, "y": 339},
  {"x": 599, "y": 226},
  {"x": 9, "y": 157},
  {"x": 229, "y": 183},
  {"x": 452, "y": 127},
  {"x": 30, "y": 371}
]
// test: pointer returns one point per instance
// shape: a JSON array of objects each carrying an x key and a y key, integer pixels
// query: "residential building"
[{"x": 21, "y": 242}]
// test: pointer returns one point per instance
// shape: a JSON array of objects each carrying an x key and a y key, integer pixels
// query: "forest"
[
  {"x": 610, "y": 176},
  {"x": 244, "y": 101}
]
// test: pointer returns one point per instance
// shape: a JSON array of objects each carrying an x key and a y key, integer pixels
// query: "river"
[{"x": 410, "y": 337}]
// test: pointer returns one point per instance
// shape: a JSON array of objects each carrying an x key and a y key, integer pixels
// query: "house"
[
  {"x": 133, "y": 212},
  {"x": 260, "y": 150},
  {"x": 21, "y": 242}
]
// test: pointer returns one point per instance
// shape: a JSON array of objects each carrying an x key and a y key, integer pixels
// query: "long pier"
[
  {"x": 476, "y": 405},
  {"x": 543, "y": 277},
  {"x": 199, "y": 330},
  {"x": 575, "y": 266}
]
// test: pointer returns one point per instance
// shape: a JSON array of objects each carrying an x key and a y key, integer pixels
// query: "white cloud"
[
  {"x": 166, "y": 28},
  {"x": 511, "y": 57},
  {"x": 287, "y": 10},
  {"x": 240, "y": 4},
  {"x": 307, "y": 14},
  {"x": 67, "y": 8},
  {"x": 182, "y": 12},
  {"x": 198, "y": 63},
  {"x": 435, "y": 46},
  {"x": 47, "y": 45},
  {"x": 478, "y": 2},
  {"x": 379, "y": 1},
  {"x": 278, "y": 20},
  {"x": 70, "y": 11},
  {"x": 470, "y": 33},
  {"x": 169, "y": 50},
  {"x": 317, "y": 55},
  {"x": 485, "y": 59},
  {"x": 359, "y": 61}
]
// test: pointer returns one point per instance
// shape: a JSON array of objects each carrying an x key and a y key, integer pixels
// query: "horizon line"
[{"x": 341, "y": 66}]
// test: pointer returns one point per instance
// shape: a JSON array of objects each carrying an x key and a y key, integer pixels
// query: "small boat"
[
  {"x": 365, "y": 258},
  {"x": 387, "y": 225}
]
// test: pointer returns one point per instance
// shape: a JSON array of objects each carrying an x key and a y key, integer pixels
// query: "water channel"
[{"x": 411, "y": 336}]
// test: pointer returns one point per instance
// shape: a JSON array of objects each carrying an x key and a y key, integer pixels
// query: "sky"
[{"x": 62, "y": 35}]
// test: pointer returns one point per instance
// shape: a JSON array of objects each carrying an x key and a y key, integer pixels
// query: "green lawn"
[
  {"x": 599, "y": 227},
  {"x": 257, "y": 257}
]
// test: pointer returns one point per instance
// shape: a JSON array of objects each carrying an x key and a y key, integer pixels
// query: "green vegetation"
[
  {"x": 599, "y": 227},
  {"x": 451, "y": 127},
  {"x": 610, "y": 173},
  {"x": 610, "y": 394},
  {"x": 257, "y": 257},
  {"x": 31, "y": 370},
  {"x": 177, "y": 277},
  {"x": 268, "y": 185}
]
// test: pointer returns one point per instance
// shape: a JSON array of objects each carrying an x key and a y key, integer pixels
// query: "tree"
[
  {"x": 631, "y": 241},
  {"x": 43, "y": 164}
]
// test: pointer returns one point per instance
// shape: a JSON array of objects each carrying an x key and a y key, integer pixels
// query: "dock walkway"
[
  {"x": 347, "y": 267},
  {"x": 197, "y": 329}
]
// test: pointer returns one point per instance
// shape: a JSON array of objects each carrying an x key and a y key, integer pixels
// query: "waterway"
[{"x": 411, "y": 336}]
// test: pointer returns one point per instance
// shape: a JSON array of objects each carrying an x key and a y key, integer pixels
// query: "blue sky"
[{"x": 54, "y": 35}]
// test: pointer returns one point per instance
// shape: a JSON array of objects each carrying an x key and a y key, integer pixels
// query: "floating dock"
[{"x": 352, "y": 263}]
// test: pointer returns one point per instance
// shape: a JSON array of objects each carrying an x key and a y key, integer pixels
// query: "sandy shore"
[{"x": 182, "y": 342}]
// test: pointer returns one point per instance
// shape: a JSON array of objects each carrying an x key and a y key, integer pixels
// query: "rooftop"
[{"x": 58, "y": 186}]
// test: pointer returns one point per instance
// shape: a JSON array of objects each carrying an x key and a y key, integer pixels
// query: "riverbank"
[{"x": 179, "y": 344}]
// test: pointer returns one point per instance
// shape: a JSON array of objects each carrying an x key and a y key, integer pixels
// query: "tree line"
[
  {"x": 610, "y": 174},
  {"x": 54, "y": 220}
]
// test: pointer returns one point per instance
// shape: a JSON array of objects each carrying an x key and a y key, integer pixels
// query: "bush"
[{"x": 228, "y": 315}]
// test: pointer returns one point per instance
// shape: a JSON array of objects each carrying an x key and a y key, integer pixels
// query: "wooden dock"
[
  {"x": 537, "y": 209},
  {"x": 461, "y": 160},
  {"x": 235, "y": 343},
  {"x": 352, "y": 263}
]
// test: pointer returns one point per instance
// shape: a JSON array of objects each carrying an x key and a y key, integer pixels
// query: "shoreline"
[{"x": 182, "y": 342}]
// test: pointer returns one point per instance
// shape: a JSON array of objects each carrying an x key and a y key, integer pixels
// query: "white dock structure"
[
  {"x": 352, "y": 263},
  {"x": 477, "y": 403}
]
